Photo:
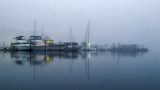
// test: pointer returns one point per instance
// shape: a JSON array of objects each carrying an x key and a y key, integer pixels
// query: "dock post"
[
  {"x": 3, "y": 46},
  {"x": 30, "y": 44},
  {"x": 45, "y": 45}
]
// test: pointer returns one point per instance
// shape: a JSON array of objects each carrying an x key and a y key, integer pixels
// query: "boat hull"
[
  {"x": 38, "y": 48},
  {"x": 22, "y": 48}
]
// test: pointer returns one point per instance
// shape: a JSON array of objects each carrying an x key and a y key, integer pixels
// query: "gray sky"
[{"x": 120, "y": 21}]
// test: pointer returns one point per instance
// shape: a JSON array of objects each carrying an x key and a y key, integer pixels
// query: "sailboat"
[
  {"x": 86, "y": 45},
  {"x": 71, "y": 45}
]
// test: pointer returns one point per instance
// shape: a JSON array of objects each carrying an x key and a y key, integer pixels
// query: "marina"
[
  {"x": 39, "y": 43},
  {"x": 45, "y": 43}
]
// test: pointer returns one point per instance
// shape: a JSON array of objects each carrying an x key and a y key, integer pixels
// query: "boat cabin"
[
  {"x": 20, "y": 38},
  {"x": 36, "y": 37},
  {"x": 37, "y": 40}
]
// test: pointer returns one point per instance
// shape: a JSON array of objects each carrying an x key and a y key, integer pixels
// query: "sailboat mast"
[
  {"x": 88, "y": 30},
  {"x": 86, "y": 37},
  {"x": 42, "y": 32},
  {"x": 35, "y": 27}
]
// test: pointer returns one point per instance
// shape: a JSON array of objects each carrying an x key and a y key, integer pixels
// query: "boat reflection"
[
  {"x": 37, "y": 58},
  {"x": 42, "y": 57}
]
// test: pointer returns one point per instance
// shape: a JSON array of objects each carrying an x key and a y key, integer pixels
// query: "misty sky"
[{"x": 119, "y": 21}]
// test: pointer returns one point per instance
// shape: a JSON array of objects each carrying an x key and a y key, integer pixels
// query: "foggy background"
[{"x": 119, "y": 21}]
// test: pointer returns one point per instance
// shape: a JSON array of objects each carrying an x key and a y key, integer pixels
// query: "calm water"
[{"x": 79, "y": 71}]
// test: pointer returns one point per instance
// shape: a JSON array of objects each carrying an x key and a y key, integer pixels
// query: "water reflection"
[
  {"x": 88, "y": 69},
  {"x": 41, "y": 57},
  {"x": 37, "y": 58},
  {"x": 130, "y": 54},
  {"x": 44, "y": 58}
]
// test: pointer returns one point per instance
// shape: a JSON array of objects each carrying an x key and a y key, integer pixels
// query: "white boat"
[
  {"x": 37, "y": 43},
  {"x": 20, "y": 43}
]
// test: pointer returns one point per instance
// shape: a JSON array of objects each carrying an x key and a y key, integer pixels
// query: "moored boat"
[
  {"x": 37, "y": 43},
  {"x": 20, "y": 43},
  {"x": 71, "y": 46}
]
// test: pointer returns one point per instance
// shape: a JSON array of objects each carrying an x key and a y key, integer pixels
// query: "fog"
[{"x": 119, "y": 21}]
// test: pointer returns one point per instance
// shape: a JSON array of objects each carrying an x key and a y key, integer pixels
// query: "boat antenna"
[{"x": 35, "y": 27}]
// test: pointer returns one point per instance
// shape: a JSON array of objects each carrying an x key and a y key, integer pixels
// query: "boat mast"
[
  {"x": 88, "y": 28},
  {"x": 35, "y": 27},
  {"x": 70, "y": 33},
  {"x": 88, "y": 32},
  {"x": 42, "y": 32}
]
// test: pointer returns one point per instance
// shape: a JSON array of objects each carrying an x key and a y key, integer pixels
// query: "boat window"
[
  {"x": 36, "y": 38},
  {"x": 20, "y": 38}
]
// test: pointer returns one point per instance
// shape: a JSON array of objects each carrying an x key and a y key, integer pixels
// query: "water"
[{"x": 79, "y": 71}]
